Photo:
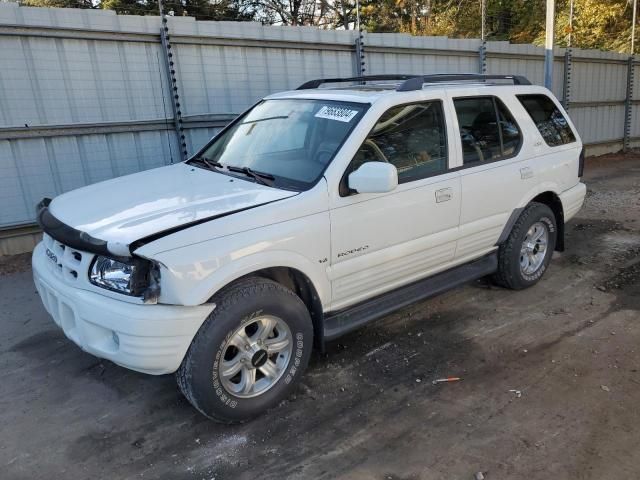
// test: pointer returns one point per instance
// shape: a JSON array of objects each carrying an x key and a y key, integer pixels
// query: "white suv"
[{"x": 314, "y": 212}]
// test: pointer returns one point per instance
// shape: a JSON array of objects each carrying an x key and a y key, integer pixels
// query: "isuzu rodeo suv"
[{"x": 314, "y": 212}]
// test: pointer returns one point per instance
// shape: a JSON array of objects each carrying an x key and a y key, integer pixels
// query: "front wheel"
[
  {"x": 525, "y": 255},
  {"x": 249, "y": 353}
]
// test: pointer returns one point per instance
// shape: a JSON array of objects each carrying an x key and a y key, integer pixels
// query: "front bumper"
[{"x": 147, "y": 338}]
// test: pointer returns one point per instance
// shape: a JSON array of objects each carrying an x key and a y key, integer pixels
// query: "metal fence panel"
[
  {"x": 598, "y": 81},
  {"x": 33, "y": 168},
  {"x": 229, "y": 79},
  {"x": 609, "y": 125},
  {"x": 400, "y": 53}
]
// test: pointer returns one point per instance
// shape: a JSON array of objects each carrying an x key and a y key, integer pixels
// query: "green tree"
[
  {"x": 289, "y": 12},
  {"x": 200, "y": 9},
  {"x": 597, "y": 24},
  {"x": 130, "y": 7},
  {"x": 58, "y": 3}
]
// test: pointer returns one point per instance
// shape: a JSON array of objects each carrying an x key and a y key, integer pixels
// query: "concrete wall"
[{"x": 84, "y": 95}]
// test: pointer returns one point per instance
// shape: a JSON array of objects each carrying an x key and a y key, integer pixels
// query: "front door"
[{"x": 383, "y": 241}]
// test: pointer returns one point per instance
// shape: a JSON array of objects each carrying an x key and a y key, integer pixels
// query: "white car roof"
[
  {"x": 374, "y": 92},
  {"x": 358, "y": 95}
]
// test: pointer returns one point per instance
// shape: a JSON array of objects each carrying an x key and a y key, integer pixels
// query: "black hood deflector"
[{"x": 65, "y": 234}]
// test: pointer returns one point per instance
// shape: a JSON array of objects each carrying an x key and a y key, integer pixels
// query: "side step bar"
[{"x": 343, "y": 321}]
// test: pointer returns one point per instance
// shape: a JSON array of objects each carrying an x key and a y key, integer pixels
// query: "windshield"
[{"x": 291, "y": 141}]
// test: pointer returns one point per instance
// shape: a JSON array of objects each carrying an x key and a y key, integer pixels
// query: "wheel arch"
[
  {"x": 306, "y": 283},
  {"x": 300, "y": 284},
  {"x": 551, "y": 200}
]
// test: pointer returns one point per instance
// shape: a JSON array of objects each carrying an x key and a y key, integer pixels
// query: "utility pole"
[
  {"x": 548, "y": 44},
  {"x": 483, "y": 17},
  {"x": 633, "y": 28},
  {"x": 571, "y": 23}
]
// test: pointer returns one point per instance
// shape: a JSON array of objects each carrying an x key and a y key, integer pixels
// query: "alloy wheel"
[{"x": 255, "y": 356}]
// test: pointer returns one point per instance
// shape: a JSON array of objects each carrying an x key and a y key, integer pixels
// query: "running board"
[{"x": 343, "y": 321}]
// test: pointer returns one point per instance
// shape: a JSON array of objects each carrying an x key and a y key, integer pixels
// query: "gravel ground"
[
  {"x": 549, "y": 390},
  {"x": 14, "y": 263}
]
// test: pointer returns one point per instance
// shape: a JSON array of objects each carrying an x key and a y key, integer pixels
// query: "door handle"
[
  {"x": 444, "y": 195},
  {"x": 526, "y": 172}
]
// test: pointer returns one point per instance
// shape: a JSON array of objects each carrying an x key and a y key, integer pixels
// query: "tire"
[
  {"x": 511, "y": 257},
  {"x": 248, "y": 306}
]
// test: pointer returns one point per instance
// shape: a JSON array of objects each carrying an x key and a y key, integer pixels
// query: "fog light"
[{"x": 116, "y": 338}]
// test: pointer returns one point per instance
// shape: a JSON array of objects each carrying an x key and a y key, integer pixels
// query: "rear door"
[
  {"x": 382, "y": 241},
  {"x": 494, "y": 173}
]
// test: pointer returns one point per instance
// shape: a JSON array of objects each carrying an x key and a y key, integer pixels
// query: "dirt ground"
[{"x": 549, "y": 390}]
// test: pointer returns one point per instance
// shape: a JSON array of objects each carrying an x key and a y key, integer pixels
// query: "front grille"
[{"x": 68, "y": 263}]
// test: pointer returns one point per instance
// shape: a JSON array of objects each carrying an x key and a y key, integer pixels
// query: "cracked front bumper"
[{"x": 147, "y": 338}]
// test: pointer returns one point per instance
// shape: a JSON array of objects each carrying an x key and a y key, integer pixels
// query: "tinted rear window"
[
  {"x": 553, "y": 126},
  {"x": 487, "y": 130}
]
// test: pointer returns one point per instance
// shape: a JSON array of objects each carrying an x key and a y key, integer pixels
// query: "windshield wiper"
[
  {"x": 211, "y": 164},
  {"x": 279, "y": 117},
  {"x": 260, "y": 177}
]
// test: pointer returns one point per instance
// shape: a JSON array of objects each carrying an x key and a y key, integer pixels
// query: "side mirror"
[{"x": 374, "y": 177}]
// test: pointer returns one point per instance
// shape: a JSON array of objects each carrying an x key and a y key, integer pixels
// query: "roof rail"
[
  {"x": 366, "y": 78},
  {"x": 415, "y": 82}
]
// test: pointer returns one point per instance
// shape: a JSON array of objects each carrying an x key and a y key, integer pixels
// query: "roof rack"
[
  {"x": 415, "y": 82},
  {"x": 365, "y": 78}
]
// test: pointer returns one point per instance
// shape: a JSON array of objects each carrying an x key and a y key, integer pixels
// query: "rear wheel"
[
  {"x": 249, "y": 353},
  {"x": 525, "y": 255}
]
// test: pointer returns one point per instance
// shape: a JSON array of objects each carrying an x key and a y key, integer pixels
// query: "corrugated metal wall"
[
  {"x": 84, "y": 95},
  {"x": 70, "y": 103}
]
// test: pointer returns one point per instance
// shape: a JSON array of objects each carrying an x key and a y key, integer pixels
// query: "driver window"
[{"x": 411, "y": 137}]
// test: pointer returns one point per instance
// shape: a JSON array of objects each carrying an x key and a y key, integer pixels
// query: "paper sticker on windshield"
[{"x": 340, "y": 114}]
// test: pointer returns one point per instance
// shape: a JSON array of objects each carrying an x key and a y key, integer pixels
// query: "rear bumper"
[
  {"x": 148, "y": 338},
  {"x": 572, "y": 200}
]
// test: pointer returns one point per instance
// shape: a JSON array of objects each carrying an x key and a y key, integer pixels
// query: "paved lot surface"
[{"x": 368, "y": 409}]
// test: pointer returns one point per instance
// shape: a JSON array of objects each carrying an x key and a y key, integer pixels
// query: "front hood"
[{"x": 126, "y": 209}]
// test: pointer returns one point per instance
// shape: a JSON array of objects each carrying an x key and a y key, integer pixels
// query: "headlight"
[{"x": 127, "y": 276}]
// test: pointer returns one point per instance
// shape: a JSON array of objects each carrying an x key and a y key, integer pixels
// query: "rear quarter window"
[{"x": 551, "y": 123}]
